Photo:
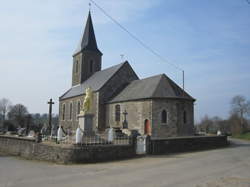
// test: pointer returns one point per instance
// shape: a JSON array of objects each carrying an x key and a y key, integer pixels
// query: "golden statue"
[{"x": 87, "y": 103}]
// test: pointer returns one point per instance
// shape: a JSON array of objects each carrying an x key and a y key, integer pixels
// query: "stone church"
[{"x": 155, "y": 105}]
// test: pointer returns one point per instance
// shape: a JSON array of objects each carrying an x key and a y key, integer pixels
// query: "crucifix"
[
  {"x": 89, "y": 5},
  {"x": 122, "y": 56},
  {"x": 50, "y": 102},
  {"x": 125, "y": 123}
]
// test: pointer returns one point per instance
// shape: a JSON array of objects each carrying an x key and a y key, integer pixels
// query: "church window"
[
  {"x": 91, "y": 66},
  {"x": 70, "y": 111},
  {"x": 184, "y": 117},
  {"x": 63, "y": 112},
  {"x": 78, "y": 107},
  {"x": 117, "y": 112},
  {"x": 164, "y": 116},
  {"x": 76, "y": 68}
]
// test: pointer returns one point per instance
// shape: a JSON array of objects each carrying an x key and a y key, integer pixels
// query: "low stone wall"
[
  {"x": 184, "y": 144},
  {"x": 29, "y": 149}
]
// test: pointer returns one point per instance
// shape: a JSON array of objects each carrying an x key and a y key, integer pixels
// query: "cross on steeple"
[
  {"x": 88, "y": 40},
  {"x": 89, "y": 6},
  {"x": 87, "y": 59},
  {"x": 122, "y": 56}
]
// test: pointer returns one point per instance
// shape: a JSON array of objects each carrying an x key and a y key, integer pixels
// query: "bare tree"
[
  {"x": 240, "y": 107},
  {"x": 17, "y": 114},
  {"x": 206, "y": 124},
  {"x": 4, "y": 107}
]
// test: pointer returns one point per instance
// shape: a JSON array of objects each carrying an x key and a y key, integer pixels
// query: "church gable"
[
  {"x": 167, "y": 88},
  {"x": 117, "y": 82}
]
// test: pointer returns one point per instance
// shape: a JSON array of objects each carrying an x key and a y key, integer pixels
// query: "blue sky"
[{"x": 209, "y": 39}]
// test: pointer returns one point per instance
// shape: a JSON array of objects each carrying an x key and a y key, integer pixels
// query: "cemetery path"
[{"x": 221, "y": 167}]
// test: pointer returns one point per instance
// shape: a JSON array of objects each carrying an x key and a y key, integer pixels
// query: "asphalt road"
[{"x": 228, "y": 167}]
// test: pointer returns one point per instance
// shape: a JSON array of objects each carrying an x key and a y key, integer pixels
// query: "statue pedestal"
[{"x": 86, "y": 123}]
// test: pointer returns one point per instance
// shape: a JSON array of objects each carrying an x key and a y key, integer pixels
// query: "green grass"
[{"x": 245, "y": 136}]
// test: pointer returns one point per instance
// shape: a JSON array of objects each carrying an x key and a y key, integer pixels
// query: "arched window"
[
  {"x": 63, "y": 112},
  {"x": 76, "y": 68},
  {"x": 184, "y": 117},
  {"x": 78, "y": 107},
  {"x": 91, "y": 66},
  {"x": 117, "y": 113},
  {"x": 164, "y": 116},
  {"x": 70, "y": 111}
]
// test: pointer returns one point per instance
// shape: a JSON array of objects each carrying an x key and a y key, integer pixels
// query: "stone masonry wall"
[
  {"x": 83, "y": 60},
  {"x": 29, "y": 149},
  {"x": 76, "y": 76},
  {"x": 175, "y": 125},
  {"x": 138, "y": 112},
  {"x": 87, "y": 56},
  {"x": 183, "y": 144}
]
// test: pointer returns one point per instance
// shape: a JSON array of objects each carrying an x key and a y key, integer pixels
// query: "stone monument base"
[{"x": 86, "y": 124}]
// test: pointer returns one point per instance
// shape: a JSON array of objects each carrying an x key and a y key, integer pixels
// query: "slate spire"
[{"x": 88, "y": 41}]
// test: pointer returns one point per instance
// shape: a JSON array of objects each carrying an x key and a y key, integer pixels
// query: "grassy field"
[{"x": 245, "y": 136}]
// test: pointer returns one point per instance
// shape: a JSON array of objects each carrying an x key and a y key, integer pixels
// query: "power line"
[{"x": 135, "y": 37}]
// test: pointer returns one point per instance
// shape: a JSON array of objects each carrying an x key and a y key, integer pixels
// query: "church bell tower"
[{"x": 87, "y": 58}]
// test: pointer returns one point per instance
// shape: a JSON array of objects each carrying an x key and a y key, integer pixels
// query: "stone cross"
[
  {"x": 122, "y": 56},
  {"x": 125, "y": 123},
  {"x": 50, "y": 102}
]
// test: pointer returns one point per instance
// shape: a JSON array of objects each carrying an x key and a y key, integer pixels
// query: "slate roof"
[
  {"x": 159, "y": 86},
  {"x": 96, "y": 81},
  {"x": 88, "y": 41}
]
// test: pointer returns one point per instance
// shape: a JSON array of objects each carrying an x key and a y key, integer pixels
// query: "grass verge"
[{"x": 245, "y": 136}]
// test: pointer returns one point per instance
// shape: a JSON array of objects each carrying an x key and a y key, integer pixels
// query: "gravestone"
[
  {"x": 141, "y": 145},
  {"x": 59, "y": 134},
  {"x": 54, "y": 130},
  {"x": 31, "y": 134},
  {"x": 21, "y": 131},
  {"x": 110, "y": 135},
  {"x": 218, "y": 133},
  {"x": 79, "y": 135}
]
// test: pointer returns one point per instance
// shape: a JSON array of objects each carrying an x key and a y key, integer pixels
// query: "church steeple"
[
  {"x": 88, "y": 41},
  {"x": 87, "y": 58}
]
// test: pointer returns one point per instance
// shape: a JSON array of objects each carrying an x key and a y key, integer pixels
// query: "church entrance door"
[{"x": 147, "y": 128}]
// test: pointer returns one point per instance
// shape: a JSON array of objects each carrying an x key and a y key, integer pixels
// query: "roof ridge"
[
  {"x": 184, "y": 93},
  {"x": 158, "y": 84},
  {"x": 152, "y": 76},
  {"x": 121, "y": 65}
]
